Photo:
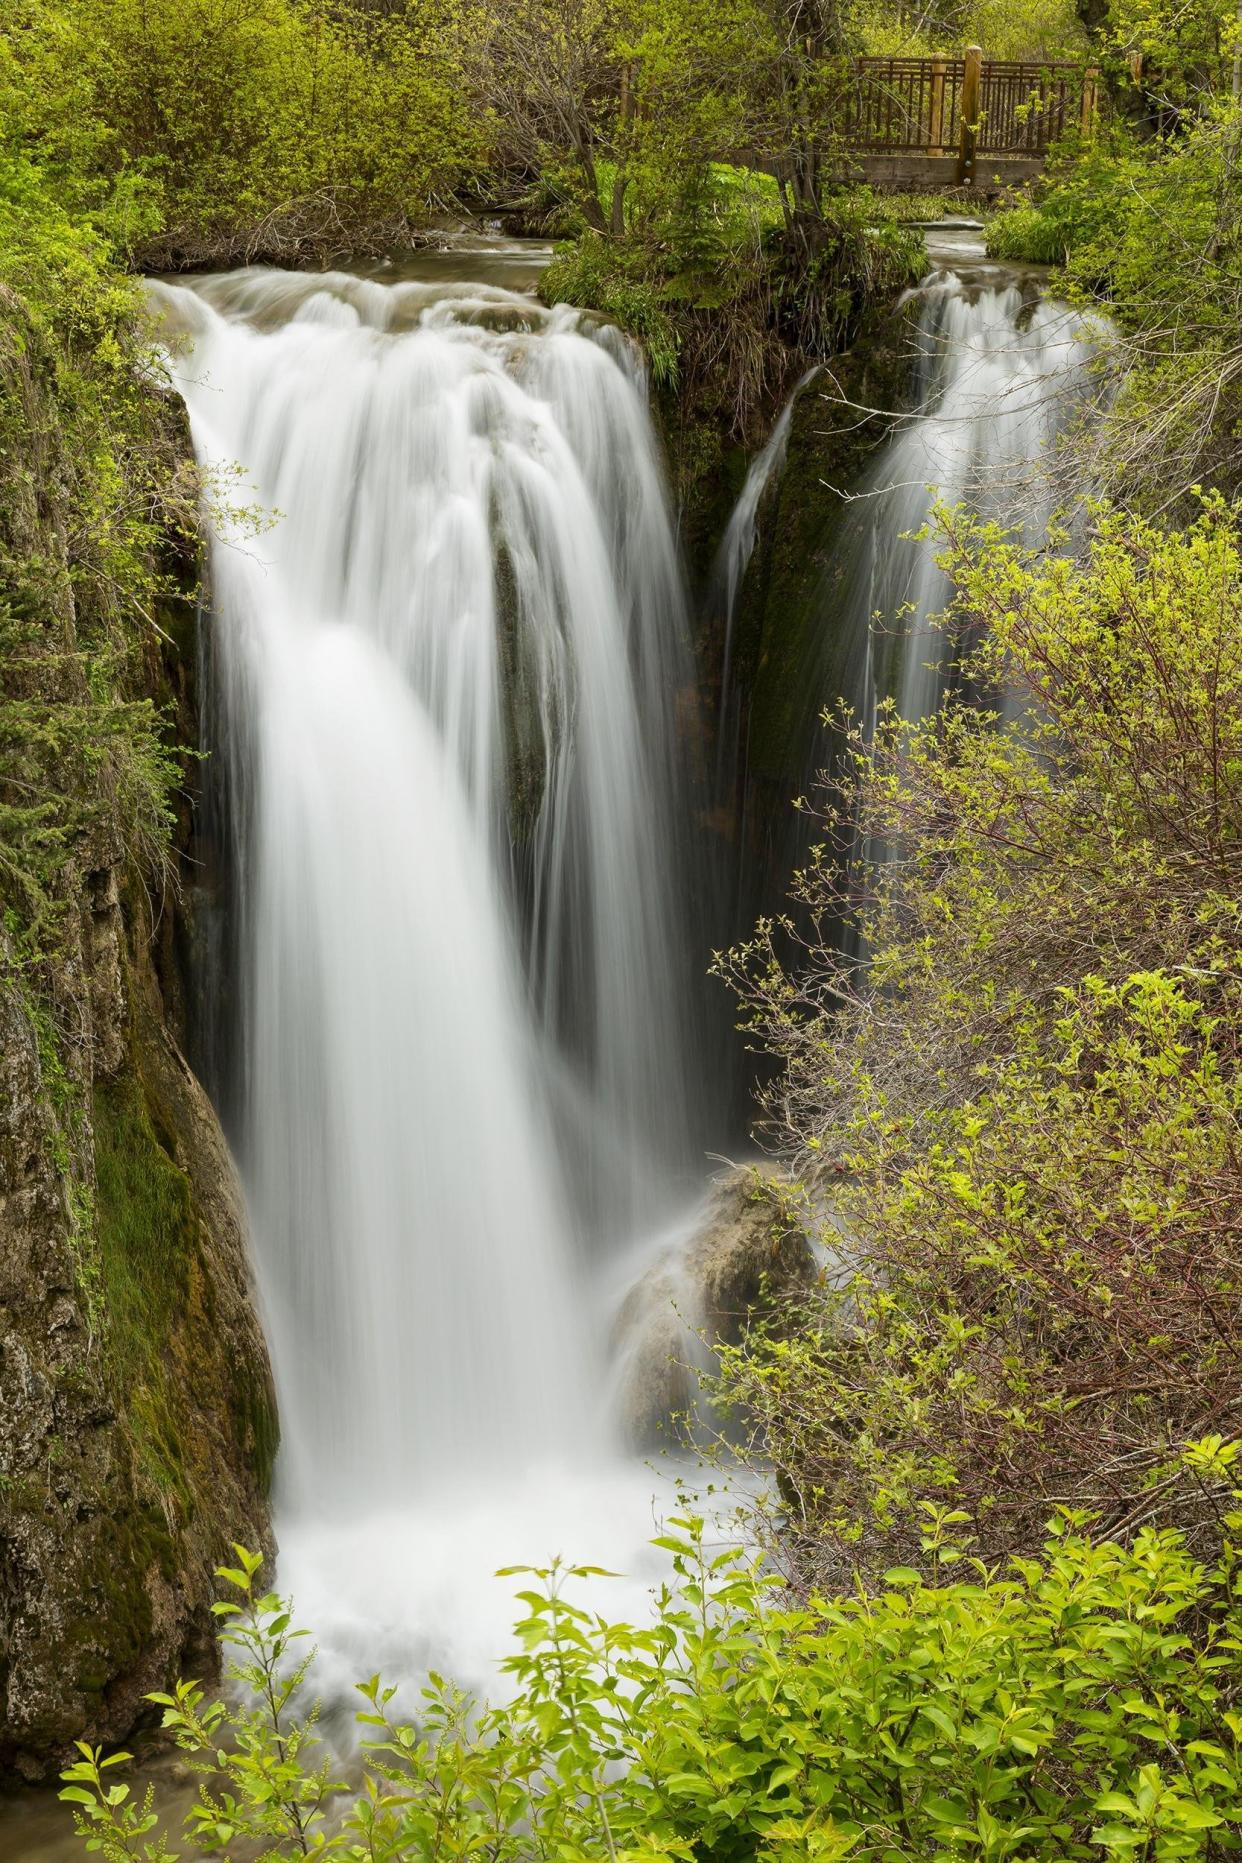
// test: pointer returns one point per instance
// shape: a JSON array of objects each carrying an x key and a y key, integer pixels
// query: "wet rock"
[
  {"x": 137, "y": 1423},
  {"x": 749, "y": 1259},
  {"x": 744, "y": 1260},
  {"x": 788, "y": 652}
]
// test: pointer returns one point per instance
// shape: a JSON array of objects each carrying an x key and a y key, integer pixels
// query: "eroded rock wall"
[
  {"x": 137, "y": 1421},
  {"x": 137, "y": 1425}
]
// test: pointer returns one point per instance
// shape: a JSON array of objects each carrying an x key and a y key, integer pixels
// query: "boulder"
[{"x": 743, "y": 1261}]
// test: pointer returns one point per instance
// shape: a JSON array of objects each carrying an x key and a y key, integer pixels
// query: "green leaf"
[{"x": 948, "y": 1811}]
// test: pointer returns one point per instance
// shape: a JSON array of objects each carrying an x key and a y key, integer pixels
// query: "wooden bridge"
[{"x": 936, "y": 122}]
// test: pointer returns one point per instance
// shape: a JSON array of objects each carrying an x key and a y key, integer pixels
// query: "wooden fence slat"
[{"x": 969, "y": 113}]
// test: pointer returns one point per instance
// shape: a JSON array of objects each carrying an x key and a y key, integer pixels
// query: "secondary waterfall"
[
  {"x": 741, "y": 533},
  {"x": 999, "y": 375},
  {"x": 999, "y": 380},
  {"x": 445, "y": 677}
]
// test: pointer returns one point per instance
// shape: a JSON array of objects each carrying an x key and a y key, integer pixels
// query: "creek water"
[{"x": 464, "y": 1074}]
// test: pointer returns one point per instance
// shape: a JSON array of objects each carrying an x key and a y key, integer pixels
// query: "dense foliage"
[
  {"x": 1017, "y": 1125},
  {"x": 90, "y": 497},
  {"x": 1054, "y": 1708},
  {"x": 1146, "y": 220},
  {"x": 225, "y": 129},
  {"x": 1153, "y": 234},
  {"x": 253, "y": 128},
  {"x": 1022, "y": 1112}
]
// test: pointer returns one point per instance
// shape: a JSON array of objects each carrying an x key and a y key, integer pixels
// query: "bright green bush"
[
  {"x": 1082, "y": 1703},
  {"x": 92, "y": 498},
  {"x": 1143, "y": 226},
  {"x": 1028, "y": 235},
  {"x": 1151, "y": 231},
  {"x": 1088, "y": 200},
  {"x": 249, "y": 127},
  {"x": 596, "y": 275},
  {"x": 1023, "y": 1112}
]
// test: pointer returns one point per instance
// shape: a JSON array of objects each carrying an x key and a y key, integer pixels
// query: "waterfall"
[
  {"x": 999, "y": 376},
  {"x": 999, "y": 379},
  {"x": 446, "y": 667},
  {"x": 445, "y": 683}
]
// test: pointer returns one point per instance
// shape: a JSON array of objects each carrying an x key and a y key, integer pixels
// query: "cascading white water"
[
  {"x": 469, "y": 611},
  {"x": 1000, "y": 375},
  {"x": 999, "y": 380},
  {"x": 446, "y": 686},
  {"x": 447, "y": 676}
]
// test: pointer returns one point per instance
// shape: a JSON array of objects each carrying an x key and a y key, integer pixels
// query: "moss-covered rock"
[
  {"x": 137, "y": 1424},
  {"x": 745, "y": 1262},
  {"x": 787, "y": 653}
]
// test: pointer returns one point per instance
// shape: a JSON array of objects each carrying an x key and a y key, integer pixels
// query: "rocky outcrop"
[
  {"x": 137, "y": 1421},
  {"x": 137, "y": 1424},
  {"x": 745, "y": 1261},
  {"x": 788, "y": 655}
]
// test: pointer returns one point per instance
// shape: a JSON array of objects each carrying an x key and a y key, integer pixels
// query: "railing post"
[
  {"x": 935, "y": 124},
  {"x": 1090, "y": 99},
  {"x": 969, "y": 109}
]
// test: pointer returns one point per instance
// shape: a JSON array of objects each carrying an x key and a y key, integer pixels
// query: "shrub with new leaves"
[
  {"x": 1078, "y": 1704},
  {"x": 1152, "y": 230},
  {"x": 1024, "y": 1111}
]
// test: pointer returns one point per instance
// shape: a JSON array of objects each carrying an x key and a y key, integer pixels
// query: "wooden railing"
[
  {"x": 967, "y": 107},
  {"x": 905, "y": 103}
]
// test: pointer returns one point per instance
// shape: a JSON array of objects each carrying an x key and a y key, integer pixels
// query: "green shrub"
[
  {"x": 1023, "y": 1111},
  {"x": 248, "y": 127},
  {"x": 1083, "y": 1703},
  {"x": 593, "y": 273},
  {"x": 1027, "y": 235},
  {"x": 1145, "y": 227},
  {"x": 92, "y": 494},
  {"x": 1151, "y": 231}
]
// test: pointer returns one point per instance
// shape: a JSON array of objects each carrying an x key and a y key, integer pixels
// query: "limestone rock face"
[
  {"x": 741, "y": 1261},
  {"x": 137, "y": 1422},
  {"x": 747, "y": 1259}
]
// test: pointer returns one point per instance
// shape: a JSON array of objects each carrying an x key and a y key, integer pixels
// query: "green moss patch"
[{"x": 147, "y": 1242}]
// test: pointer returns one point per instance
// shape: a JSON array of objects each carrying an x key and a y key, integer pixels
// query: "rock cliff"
[{"x": 137, "y": 1422}]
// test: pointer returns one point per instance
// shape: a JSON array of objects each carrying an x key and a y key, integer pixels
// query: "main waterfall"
[
  {"x": 444, "y": 667},
  {"x": 444, "y": 682}
]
